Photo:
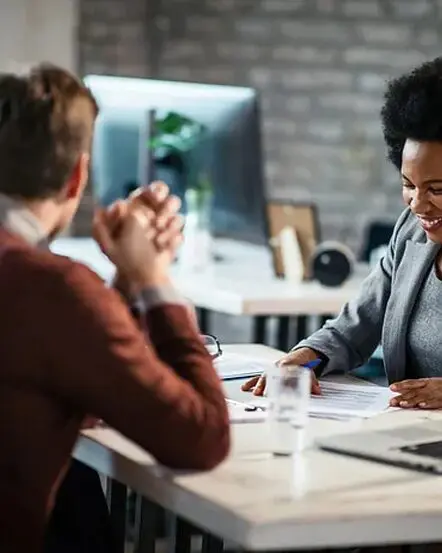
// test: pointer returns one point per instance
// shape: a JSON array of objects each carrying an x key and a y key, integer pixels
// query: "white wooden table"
[
  {"x": 261, "y": 502},
  {"x": 241, "y": 283}
]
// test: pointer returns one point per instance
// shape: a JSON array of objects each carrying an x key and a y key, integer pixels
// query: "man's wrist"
[
  {"x": 165, "y": 294},
  {"x": 149, "y": 291},
  {"x": 133, "y": 284},
  {"x": 123, "y": 286},
  {"x": 153, "y": 283}
]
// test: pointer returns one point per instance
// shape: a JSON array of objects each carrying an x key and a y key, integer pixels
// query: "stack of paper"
[
  {"x": 234, "y": 365},
  {"x": 338, "y": 401},
  {"x": 350, "y": 400}
]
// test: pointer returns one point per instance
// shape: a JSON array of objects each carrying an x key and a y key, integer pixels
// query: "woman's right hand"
[{"x": 257, "y": 384}]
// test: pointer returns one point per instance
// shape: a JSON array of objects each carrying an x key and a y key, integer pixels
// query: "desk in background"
[
  {"x": 242, "y": 282},
  {"x": 259, "y": 502}
]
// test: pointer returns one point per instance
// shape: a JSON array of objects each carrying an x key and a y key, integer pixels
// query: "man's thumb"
[{"x": 101, "y": 231}]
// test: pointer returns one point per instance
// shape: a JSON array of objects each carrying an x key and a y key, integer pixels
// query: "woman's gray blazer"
[{"x": 382, "y": 309}]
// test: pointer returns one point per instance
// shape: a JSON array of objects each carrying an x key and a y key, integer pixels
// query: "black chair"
[{"x": 378, "y": 233}]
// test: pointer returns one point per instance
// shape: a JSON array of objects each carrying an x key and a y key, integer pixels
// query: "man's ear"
[{"x": 79, "y": 177}]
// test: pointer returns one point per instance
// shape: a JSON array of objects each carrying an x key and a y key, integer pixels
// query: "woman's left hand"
[{"x": 422, "y": 393}]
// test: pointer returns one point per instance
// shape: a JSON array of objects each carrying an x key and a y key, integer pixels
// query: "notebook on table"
[{"x": 232, "y": 366}]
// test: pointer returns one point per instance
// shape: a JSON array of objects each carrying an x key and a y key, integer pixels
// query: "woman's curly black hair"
[{"x": 413, "y": 109}]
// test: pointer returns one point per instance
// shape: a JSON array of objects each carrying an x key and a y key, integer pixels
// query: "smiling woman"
[
  {"x": 412, "y": 124},
  {"x": 422, "y": 184},
  {"x": 400, "y": 303}
]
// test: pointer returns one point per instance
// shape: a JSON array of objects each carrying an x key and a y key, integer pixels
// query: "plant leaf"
[{"x": 176, "y": 131}]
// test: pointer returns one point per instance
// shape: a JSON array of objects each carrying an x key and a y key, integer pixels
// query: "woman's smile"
[{"x": 430, "y": 224}]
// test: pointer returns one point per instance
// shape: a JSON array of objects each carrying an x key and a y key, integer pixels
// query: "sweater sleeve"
[{"x": 169, "y": 399}]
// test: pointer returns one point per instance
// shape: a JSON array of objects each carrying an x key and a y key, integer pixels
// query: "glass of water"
[{"x": 288, "y": 392}]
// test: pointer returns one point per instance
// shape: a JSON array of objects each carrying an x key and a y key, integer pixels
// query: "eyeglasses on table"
[{"x": 212, "y": 345}]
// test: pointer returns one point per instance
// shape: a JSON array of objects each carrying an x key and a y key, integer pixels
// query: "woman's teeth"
[{"x": 431, "y": 224}]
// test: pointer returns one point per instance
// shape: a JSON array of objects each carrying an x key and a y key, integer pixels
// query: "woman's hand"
[
  {"x": 257, "y": 384},
  {"x": 421, "y": 393}
]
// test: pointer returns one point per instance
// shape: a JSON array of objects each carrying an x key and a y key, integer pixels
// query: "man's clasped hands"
[{"x": 140, "y": 236}]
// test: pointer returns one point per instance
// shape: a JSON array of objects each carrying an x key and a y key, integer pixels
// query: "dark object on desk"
[
  {"x": 377, "y": 234},
  {"x": 253, "y": 408},
  {"x": 232, "y": 146},
  {"x": 332, "y": 263},
  {"x": 303, "y": 219},
  {"x": 416, "y": 447}
]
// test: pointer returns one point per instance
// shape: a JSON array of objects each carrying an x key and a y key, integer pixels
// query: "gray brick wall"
[
  {"x": 320, "y": 66},
  {"x": 113, "y": 38}
]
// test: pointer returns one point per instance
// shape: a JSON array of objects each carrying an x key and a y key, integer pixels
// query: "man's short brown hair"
[{"x": 46, "y": 121}]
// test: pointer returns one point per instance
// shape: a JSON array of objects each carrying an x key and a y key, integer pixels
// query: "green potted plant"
[
  {"x": 178, "y": 143},
  {"x": 175, "y": 141}
]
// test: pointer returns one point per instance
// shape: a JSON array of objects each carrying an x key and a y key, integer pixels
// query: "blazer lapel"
[{"x": 407, "y": 282}]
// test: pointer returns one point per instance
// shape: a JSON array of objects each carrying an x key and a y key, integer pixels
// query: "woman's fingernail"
[
  {"x": 403, "y": 403},
  {"x": 393, "y": 387},
  {"x": 422, "y": 404}
]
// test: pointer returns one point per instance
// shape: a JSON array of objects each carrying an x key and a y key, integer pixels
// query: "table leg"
[
  {"x": 117, "y": 501},
  {"x": 283, "y": 333},
  {"x": 260, "y": 329},
  {"x": 212, "y": 544},
  {"x": 301, "y": 328},
  {"x": 145, "y": 525},
  {"x": 180, "y": 534},
  {"x": 203, "y": 320}
]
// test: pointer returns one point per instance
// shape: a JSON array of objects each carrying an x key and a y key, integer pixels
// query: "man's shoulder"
[{"x": 44, "y": 269}]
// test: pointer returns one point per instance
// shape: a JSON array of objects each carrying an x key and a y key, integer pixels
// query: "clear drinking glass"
[
  {"x": 288, "y": 392},
  {"x": 196, "y": 250}
]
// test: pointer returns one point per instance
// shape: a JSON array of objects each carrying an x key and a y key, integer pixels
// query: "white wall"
[
  {"x": 37, "y": 30},
  {"x": 33, "y": 31}
]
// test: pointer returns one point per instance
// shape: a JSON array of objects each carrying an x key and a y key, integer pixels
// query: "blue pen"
[{"x": 311, "y": 364}]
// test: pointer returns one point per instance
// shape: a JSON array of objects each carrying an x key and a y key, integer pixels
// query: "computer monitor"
[{"x": 232, "y": 145}]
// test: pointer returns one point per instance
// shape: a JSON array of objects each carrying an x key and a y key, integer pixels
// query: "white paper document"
[
  {"x": 339, "y": 399},
  {"x": 234, "y": 365}
]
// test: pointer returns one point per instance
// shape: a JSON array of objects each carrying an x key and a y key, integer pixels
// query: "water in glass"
[{"x": 288, "y": 392}]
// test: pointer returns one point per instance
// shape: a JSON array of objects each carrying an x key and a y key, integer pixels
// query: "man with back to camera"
[
  {"x": 80, "y": 519},
  {"x": 70, "y": 346}
]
